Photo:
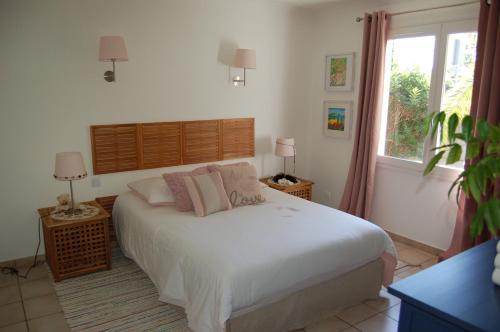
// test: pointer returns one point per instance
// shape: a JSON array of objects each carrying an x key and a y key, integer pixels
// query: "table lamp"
[
  {"x": 69, "y": 167},
  {"x": 285, "y": 147}
]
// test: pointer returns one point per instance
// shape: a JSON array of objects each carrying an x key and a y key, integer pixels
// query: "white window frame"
[{"x": 440, "y": 33}]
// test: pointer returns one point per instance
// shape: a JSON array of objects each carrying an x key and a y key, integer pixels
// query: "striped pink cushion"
[
  {"x": 207, "y": 193},
  {"x": 177, "y": 185}
]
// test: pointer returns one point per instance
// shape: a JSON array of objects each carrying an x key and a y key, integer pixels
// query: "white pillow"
[{"x": 155, "y": 191}]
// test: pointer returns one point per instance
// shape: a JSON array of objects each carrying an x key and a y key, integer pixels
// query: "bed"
[{"x": 270, "y": 267}]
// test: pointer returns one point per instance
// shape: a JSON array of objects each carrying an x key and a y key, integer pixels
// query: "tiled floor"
[{"x": 31, "y": 305}]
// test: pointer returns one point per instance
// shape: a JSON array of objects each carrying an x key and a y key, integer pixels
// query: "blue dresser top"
[{"x": 458, "y": 290}]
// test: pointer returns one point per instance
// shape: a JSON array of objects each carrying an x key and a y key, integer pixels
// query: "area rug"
[{"x": 121, "y": 299}]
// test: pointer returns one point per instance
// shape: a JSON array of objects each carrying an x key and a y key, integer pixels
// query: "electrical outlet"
[
  {"x": 328, "y": 195},
  {"x": 96, "y": 182}
]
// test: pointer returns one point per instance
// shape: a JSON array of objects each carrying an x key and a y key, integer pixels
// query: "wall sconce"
[
  {"x": 246, "y": 59},
  {"x": 112, "y": 48}
]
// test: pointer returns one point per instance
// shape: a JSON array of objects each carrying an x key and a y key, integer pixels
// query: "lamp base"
[{"x": 288, "y": 177}]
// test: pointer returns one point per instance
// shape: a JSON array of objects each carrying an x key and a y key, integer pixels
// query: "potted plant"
[{"x": 477, "y": 181}]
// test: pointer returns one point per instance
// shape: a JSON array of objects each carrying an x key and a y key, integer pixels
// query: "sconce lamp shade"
[
  {"x": 245, "y": 58},
  {"x": 112, "y": 48},
  {"x": 69, "y": 166},
  {"x": 285, "y": 147}
]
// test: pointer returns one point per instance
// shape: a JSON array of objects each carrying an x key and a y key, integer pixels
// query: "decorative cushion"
[
  {"x": 217, "y": 167},
  {"x": 176, "y": 183},
  {"x": 154, "y": 191},
  {"x": 207, "y": 193},
  {"x": 242, "y": 185}
]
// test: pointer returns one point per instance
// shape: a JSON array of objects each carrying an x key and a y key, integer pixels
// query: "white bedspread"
[{"x": 233, "y": 261}]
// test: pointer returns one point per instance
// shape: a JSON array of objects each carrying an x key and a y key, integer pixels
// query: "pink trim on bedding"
[{"x": 390, "y": 263}]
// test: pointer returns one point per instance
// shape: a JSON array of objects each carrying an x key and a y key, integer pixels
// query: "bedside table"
[
  {"x": 302, "y": 189},
  {"x": 75, "y": 247}
]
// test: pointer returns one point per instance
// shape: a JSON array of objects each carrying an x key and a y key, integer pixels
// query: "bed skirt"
[{"x": 314, "y": 303}]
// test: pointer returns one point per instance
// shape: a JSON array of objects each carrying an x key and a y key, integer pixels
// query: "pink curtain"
[
  {"x": 358, "y": 191},
  {"x": 485, "y": 105}
]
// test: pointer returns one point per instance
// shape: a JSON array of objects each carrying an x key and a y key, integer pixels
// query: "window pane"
[
  {"x": 458, "y": 77},
  {"x": 409, "y": 67}
]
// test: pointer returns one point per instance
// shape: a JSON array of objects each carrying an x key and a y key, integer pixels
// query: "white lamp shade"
[
  {"x": 112, "y": 48},
  {"x": 285, "y": 147},
  {"x": 69, "y": 166},
  {"x": 245, "y": 58}
]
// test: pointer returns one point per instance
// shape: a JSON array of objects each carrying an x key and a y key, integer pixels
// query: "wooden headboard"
[{"x": 135, "y": 146}]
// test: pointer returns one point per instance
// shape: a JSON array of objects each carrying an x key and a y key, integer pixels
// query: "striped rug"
[{"x": 122, "y": 299}]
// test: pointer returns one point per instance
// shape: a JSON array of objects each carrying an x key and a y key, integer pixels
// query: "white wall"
[
  {"x": 405, "y": 202},
  {"x": 52, "y": 90}
]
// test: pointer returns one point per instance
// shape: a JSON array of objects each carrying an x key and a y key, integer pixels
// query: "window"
[
  {"x": 427, "y": 69},
  {"x": 411, "y": 60},
  {"x": 458, "y": 77}
]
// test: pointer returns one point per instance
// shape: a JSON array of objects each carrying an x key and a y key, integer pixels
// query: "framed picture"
[
  {"x": 337, "y": 118},
  {"x": 339, "y": 72}
]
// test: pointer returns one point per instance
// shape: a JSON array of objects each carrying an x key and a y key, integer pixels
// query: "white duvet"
[{"x": 234, "y": 261}]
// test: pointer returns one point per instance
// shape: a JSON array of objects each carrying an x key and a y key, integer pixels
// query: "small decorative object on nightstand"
[
  {"x": 77, "y": 246},
  {"x": 302, "y": 189}
]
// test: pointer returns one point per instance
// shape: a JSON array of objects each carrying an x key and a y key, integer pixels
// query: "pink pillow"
[
  {"x": 176, "y": 183},
  {"x": 207, "y": 193},
  {"x": 242, "y": 185},
  {"x": 217, "y": 167}
]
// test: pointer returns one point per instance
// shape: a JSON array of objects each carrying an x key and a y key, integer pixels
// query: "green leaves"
[
  {"x": 483, "y": 130},
  {"x": 454, "y": 154},
  {"x": 437, "y": 121},
  {"x": 473, "y": 149},
  {"x": 482, "y": 141},
  {"x": 467, "y": 128},
  {"x": 473, "y": 187},
  {"x": 452, "y": 126},
  {"x": 487, "y": 213},
  {"x": 433, "y": 162}
]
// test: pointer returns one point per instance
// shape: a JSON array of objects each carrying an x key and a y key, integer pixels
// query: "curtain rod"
[{"x": 359, "y": 19}]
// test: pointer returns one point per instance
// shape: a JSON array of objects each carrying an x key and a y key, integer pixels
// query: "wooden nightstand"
[
  {"x": 75, "y": 247},
  {"x": 302, "y": 189}
]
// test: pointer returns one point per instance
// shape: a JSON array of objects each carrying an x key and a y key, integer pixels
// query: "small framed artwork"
[
  {"x": 339, "y": 72},
  {"x": 337, "y": 118}
]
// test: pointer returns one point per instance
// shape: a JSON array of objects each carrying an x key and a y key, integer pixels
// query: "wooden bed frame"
[
  {"x": 125, "y": 147},
  {"x": 303, "y": 307}
]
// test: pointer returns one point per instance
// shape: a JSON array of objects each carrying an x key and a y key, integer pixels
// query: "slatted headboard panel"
[
  {"x": 126, "y": 147},
  {"x": 239, "y": 138},
  {"x": 161, "y": 144},
  {"x": 114, "y": 148},
  {"x": 201, "y": 141}
]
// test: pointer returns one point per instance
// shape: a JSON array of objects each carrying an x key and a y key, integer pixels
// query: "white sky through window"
[{"x": 411, "y": 53}]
